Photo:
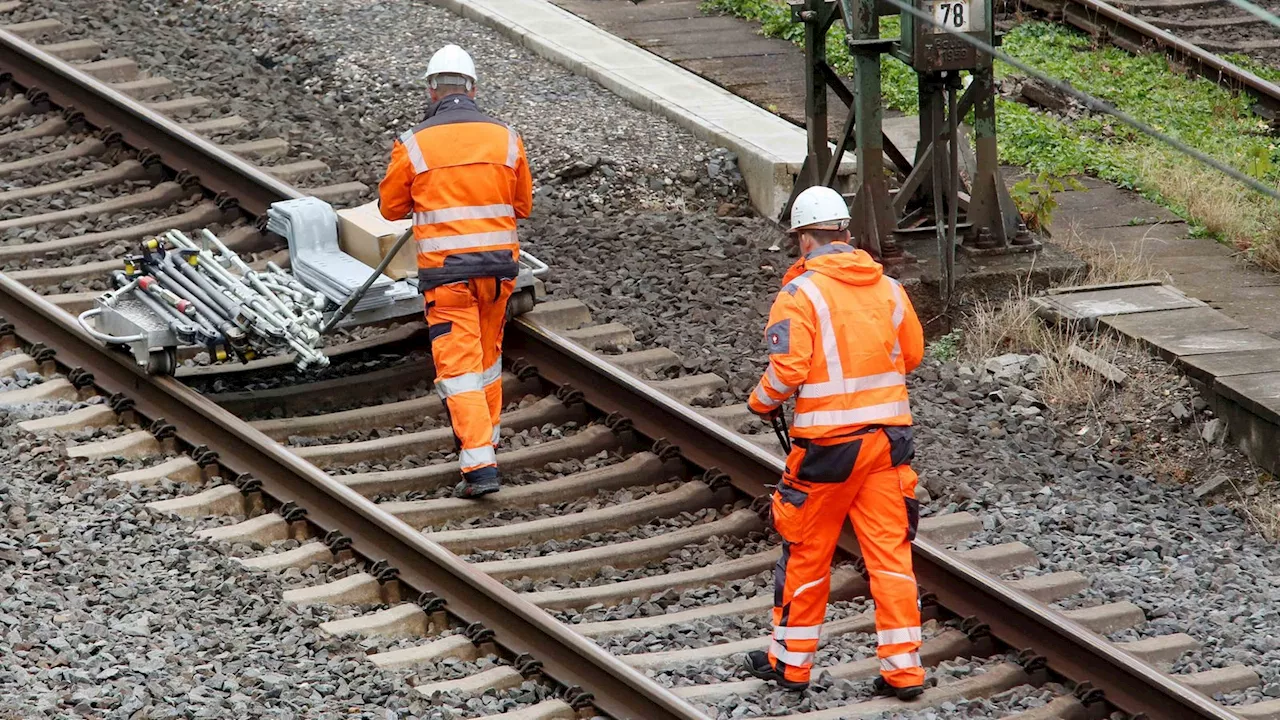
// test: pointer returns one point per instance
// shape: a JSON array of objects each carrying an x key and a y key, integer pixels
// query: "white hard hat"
[
  {"x": 451, "y": 60},
  {"x": 819, "y": 205}
]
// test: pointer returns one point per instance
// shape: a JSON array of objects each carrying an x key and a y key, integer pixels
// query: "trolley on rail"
[{"x": 347, "y": 268}]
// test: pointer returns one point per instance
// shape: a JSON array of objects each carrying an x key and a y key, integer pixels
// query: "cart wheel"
[
  {"x": 162, "y": 362},
  {"x": 520, "y": 303}
]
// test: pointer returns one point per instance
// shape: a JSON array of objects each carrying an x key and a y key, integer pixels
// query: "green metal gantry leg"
[{"x": 873, "y": 216}]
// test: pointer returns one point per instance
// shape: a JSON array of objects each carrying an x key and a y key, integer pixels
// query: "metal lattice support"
[{"x": 946, "y": 190}]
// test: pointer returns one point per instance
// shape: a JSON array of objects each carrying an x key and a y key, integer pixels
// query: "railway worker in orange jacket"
[
  {"x": 464, "y": 177},
  {"x": 842, "y": 337}
]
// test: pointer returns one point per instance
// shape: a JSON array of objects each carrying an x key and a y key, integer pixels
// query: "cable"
[{"x": 1093, "y": 103}]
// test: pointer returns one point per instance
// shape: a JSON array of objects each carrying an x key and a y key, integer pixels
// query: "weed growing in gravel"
[{"x": 1150, "y": 87}]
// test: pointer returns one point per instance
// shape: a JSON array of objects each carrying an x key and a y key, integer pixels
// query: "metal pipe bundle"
[{"x": 220, "y": 301}]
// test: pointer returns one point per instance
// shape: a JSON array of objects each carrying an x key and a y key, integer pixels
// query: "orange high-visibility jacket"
[
  {"x": 465, "y": 177},
  {"x": 842, "y": 336}
]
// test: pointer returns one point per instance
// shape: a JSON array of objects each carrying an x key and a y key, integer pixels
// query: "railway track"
[
  {"x": 1190, "y": 31},
  {"x": 625, "y": 562}
]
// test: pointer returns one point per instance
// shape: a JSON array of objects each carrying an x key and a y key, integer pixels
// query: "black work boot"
[
  {"x": 758, "y": 665},
  {"x": 477, "y": 488},
  {"x": 910, "y": 692}
]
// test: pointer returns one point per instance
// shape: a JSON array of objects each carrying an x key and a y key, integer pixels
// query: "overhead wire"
[
  {"x": 1093, "y": 103},
  {"x": 1256, "y": 11}
]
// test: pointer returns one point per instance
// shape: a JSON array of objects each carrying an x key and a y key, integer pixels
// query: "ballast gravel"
[{"x": 110, "y": 610}]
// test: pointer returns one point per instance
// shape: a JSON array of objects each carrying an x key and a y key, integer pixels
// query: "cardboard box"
[{"x": 365, "y": 235}]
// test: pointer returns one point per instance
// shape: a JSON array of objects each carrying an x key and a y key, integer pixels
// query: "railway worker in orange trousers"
[
  {"x": 464, "y": 177},
  {"x": 842, "y": 337}
]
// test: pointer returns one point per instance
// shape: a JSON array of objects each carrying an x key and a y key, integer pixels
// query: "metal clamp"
[
  {"x": 292, "y": 512},
  {"x": 248, "y": 483},
  {"x": 577, "y": 698},
  {"x": 665, "y": 449},
  {"x": 974, "y": 629},
  {"x": 618, "y": 422},
  {"x": 523, "y": 369},
  {"x": 383, "y": 571},
  {"x": 162, "y": 430},
  {"x": 715, "y": 479},
  {"x": 336, "y": 541},
  {"x": 569, "y": 395},
  {"x": 203, "y": 456},
  {"x": 80, "y": 378},
  {"x": 430, "y": 602},
  {"x": 477, "y": 633},
  {"x": 120, "y": 403}
]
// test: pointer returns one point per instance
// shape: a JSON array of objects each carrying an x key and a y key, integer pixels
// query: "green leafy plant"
[
  {"x": 1035, "y": 198},
  {"x": 947, "y": 347}
]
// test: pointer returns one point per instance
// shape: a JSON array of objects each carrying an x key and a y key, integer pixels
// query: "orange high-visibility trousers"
[
  {"x": 864, "y": 477},
  {"x": 465, "y": 321}
]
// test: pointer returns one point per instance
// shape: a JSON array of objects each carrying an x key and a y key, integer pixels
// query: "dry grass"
[
  {"x": 1250, "y": 222},
  {"x": 1011, "y": 325}
]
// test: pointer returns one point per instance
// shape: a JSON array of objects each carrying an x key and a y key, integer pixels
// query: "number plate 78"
[{"x": 951, "y": 14}]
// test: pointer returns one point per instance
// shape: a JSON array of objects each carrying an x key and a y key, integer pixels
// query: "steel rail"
[
  {"x": 140, "y": 127},
  {"x": 519, "y": 626},
  {"x": 1014, "y": 618},
  {"x": 1134, "y": 34}
]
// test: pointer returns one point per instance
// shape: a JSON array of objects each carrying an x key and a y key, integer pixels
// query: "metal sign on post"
[{"x": 946, "y": 189}]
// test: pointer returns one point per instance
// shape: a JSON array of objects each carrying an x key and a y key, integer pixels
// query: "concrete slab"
[
  {"x": 1107, "y": 207},
  {"x": 1258, "y": 392},
  {"x": 1170, "y": 322},
  {"x": 766, "y": 145},
  {"x": 1217, "y": 341},
  {"x": 1206, "y": 368},
  {"x": 1087, "y": 304}
]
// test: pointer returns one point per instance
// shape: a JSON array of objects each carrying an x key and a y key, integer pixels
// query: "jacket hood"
[{"x": 840, "y": 261}]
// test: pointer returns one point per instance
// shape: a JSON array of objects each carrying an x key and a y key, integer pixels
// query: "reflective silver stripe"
[
  {"x": 829, "y": 346},
  {"x": 899, "y": 308},
  {"x": 466, "y": 212},
  {"x": 898, "y": 635},
  {"x": 899, "y": 312},
  {"x": 763, "y": 398},
  {"x": 513, "y": 148},
  {"x": 901, "y": 661},
  {"x": 497, "y": 434},
  {"x": 898, "y": 575},
  {"x": 477, "y": 456},
  {"x": 857, "y": 416},
  {"x": 804, "y": 632},
  {"x": 776, "y": 384},
  {"x": 794, "y": 659},
  {"x": 470, "y": 240},
  {"x": 492, "y": 373},
  {"x": 810, "y": 584},
  {"x": 448, "y": 387},
  {"x": 832, "y": 388},
  {"x": 415, "y": 152}
]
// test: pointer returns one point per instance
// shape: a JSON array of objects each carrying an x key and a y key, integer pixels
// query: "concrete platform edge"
[
  {"x": 768, "y": 173},
  {"x": 1250, "y": 408}
]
